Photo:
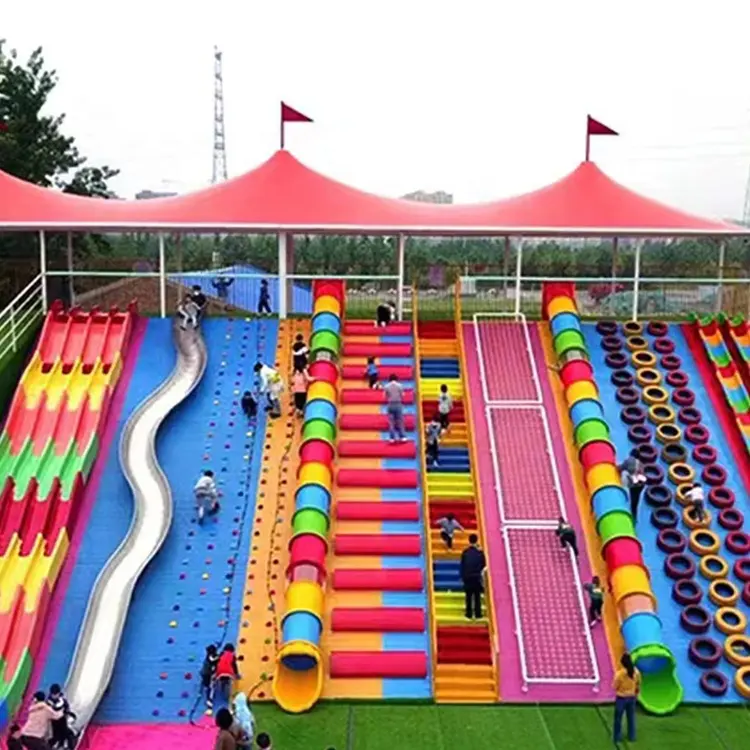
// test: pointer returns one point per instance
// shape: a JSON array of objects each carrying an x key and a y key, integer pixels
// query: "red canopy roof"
[{"x": 284, "y": 194}]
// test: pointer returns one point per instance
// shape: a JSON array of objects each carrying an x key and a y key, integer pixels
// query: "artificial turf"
[{"x": 424, "y": 727}]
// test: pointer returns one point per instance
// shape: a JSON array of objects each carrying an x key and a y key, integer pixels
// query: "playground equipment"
[
  {"x": 99, "y": 639},
  {"x": 298, "y": 680},
  {"x": 631, "y": 591}
]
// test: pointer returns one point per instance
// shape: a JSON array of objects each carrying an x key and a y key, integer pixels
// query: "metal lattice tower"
[{"x": 220, "y": 146}]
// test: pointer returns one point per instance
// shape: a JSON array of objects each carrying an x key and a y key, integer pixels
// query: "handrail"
[
  {"x": 489, "y": 603},
  {"x": 425, "y": 492},
  {"x": 21, "y": 313}
]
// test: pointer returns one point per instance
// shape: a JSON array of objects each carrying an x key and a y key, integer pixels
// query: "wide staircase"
[
  {"x": 377, "y": 634},
  {"x": 464, "y": 651}
]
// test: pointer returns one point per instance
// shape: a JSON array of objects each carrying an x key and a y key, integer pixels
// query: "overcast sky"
[{"x": 482, "y": 99}]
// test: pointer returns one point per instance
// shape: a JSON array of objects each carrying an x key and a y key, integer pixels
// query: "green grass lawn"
[{"x": 424, "y": 727}]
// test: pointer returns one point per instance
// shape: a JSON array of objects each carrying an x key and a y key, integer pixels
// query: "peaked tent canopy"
[{"x": 282, "y": 194}]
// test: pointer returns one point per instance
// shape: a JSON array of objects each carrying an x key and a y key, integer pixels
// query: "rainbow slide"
[
  {"x": 628, "y": 575},
  {"x": 727, "y": 373},
  {"x": 298, "y": 679},
  {"x": 47, "y": 448}
]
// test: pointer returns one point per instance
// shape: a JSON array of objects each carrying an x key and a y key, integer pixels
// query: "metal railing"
[
  {"x": 20, "y": 316},
  {"x": 510, "y": 524},
  {"x": 477, "y": 487},
  {"x": 425, "y": 496}
]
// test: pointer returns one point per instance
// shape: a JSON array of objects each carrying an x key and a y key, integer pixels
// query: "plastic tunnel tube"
[
  {"x": 661, "y": 691},
  {"x": 298, "y": 677}
]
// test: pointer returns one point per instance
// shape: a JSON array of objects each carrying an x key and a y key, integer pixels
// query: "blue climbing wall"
[{"x": 187, "y": 597}]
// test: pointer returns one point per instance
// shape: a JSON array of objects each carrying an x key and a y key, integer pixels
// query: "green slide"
[{"x": 661, "y": 691}]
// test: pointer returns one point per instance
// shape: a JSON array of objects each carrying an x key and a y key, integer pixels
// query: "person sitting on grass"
[
  {"x": 432, "y": 441},
  {"x": 448, "y": 526},
  {"x": 372, "y": 373},
  {"x": 567, "y": 535},
  {"x": 596, "y": 600}
]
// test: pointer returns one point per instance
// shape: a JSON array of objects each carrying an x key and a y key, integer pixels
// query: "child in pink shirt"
[{"x": 300, "y": 381}]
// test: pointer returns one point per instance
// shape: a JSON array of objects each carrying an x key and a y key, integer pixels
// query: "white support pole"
[
  {"x": 71, "y": 283},
  {"x": 162, "y": 277},
  {"x": 43, "y": 269},
  {"x": 637, "y": 277},
  {"x": 519, "y": 263},
  {"x": 720, "y": 288},
  {"x": 401, "y": 264},
  {"x": 283, "y": 304}
]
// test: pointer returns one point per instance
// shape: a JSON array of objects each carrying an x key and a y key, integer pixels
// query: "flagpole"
[
  {"x": 281, "y": 124},
  {"x": 588, "y": 140}
]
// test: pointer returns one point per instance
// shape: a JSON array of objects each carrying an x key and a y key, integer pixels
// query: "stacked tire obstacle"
[
  {"x": 628, "y": 576},
  {"x": 648, "y": 375},
  {"x": 298, "y": 680}
]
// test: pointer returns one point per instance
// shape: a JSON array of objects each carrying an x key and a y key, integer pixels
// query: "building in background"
[
  {"x": 144, "y": 195},
  {"x": 439, "y": 196}
]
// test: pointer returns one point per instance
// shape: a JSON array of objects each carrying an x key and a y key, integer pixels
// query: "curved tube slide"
[
  {"x": 628, "y": 575},
  {"x": 298, "y": 680},
  {"x": 104, "y": 621}
]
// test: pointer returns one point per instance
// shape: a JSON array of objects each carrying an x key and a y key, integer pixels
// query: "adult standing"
[
  {"x": 38, "y": 724},
  {"x": 634, "y": 480},
  {"x": 473, "y": 565},
  {"x": 627, "y": 686},
  {"x": 394, "y": 397}
]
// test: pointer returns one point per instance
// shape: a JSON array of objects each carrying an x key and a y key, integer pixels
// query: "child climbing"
[
  {"x": 634, "y": 480},
  {"x": 445, "y": 405},
  {"x": 264, "y": 300},
  {"x": 226, "y": 671},
  {"x": 271, "y": 385},
  {"x": 394, "y": 394},
  {"x": 249, "y": 405},
  {"x": 208, "y": 672},
  {"x": 432, "y": 441},
  {"x": 567, "y": 535},
  {"x": 596, "y": 600},
  {"x": 448, "y": 526},
  {"x": 206, "y": 495},
  {"x": 300, "y": 381},
  {"x": 299, "y": 353},
  {"x": 372, "y": 373},
  {"x": 696, "y": 497}
]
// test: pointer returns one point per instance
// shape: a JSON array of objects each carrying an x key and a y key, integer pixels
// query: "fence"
[{"x": 20, "y": 316}]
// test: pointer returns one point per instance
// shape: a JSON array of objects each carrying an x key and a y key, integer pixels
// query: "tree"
[
  {"x": 92, "y": 181},
  {"x": 32, "y": 145}
]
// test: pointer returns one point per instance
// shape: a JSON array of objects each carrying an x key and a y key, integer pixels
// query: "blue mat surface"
[
  {"x": 675, "y": 637},
  {"x": 187, "y": 597}
]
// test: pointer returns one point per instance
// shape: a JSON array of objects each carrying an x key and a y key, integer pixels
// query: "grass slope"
[{"x": 401, "y": 727}]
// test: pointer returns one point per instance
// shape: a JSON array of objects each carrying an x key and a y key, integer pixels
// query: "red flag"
[
  {"x": 289, "y": 114},
  {"x": 594, "y": 127}
]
